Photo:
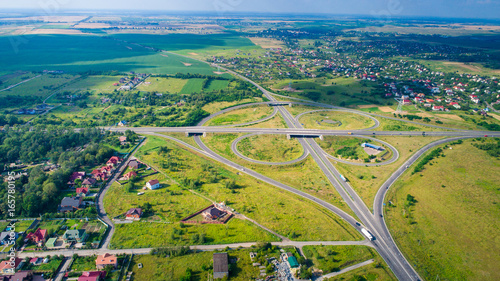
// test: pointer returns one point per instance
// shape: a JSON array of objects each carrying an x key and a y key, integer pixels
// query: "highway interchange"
[{"x": 374, "y": 222}]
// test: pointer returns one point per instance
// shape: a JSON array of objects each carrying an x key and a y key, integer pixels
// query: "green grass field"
[
  {"x": 173, "y": 268},
  {"x": 270, "y": 148},
  {"x": 197, "y": 46},
  {"x": 452, "y": 229},
  {"x": 79, "y": 53},
  {"x": 367, "y": 180},
  {"x": 41, "y": 86},
  {"x": 251, "y": 196},
  {"x": 334, "y": 258},
  {"x": 145, "y": 234},
  {"x": 218, "y": 106},
  {"x": 347, "y": 92},
  {"x": 335, "y": 120},
  {"x": 243, "y": 115},
  {"x": 163, "y": 85},
  {"x": 349, "y": 148},
  {"x": 98, "y": 83},
  {"x": 193, "y": 85},
  {"x": 215, "y": 85}
]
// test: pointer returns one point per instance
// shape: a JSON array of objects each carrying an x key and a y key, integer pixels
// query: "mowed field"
[
  {"x": 270, "y": 148},
  {"x": 196, "y": 46},
  {"x": 452, "y": 229},
  {"x": 335, "y": 120},
  {"x": 80, "y": 53},
  {"x": 162, "y": 85},
  {"x": 243, "y": 115}
]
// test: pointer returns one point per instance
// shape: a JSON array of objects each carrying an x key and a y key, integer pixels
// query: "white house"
[{"x": 153, "y": 184}]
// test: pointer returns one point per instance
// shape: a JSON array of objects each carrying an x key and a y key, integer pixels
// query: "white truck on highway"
[
  {"x": 343, "y": 178},
  {"x": 367, "y": 233}
]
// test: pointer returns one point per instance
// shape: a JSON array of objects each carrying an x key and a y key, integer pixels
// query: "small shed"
[
  {"x": 221, "y": 266},
  {"x": 51, "y": 243}
]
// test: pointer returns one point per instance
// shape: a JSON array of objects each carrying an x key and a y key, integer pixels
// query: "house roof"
[
  {"x": 153, "y": 182},
  {"x": 70, "y": 203},
  {"x": 221, "y": 262},
  {"x": 88, "y": 181},
  {"x": 38, "y": 235},
  {"x": 130, "y": 174},
  {"x": 293, "y": 262},
  {"x": 74, "y": 233},
  {"x": 133, "y": 163},
  {"x": 106, "y": 259},
  {"x": 82, "y": 190},
  {"x": 92, "y": 275},
  {"x": 134, "y": 211}
]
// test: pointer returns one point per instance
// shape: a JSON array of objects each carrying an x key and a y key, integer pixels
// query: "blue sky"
[{"x": 376, "y": 8}]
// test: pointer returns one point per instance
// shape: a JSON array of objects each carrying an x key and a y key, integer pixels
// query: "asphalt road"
[
  {"x": 145, "y": 251},
  {"x": 303, "y": 132}
]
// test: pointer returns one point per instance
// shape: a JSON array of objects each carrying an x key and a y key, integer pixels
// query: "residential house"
[
  {"x": 133, "y": 214},
  {"x": 93, "y": 276},
  {"x": 6, "y": 267},
  {"x": 134, "y": 164},
  {"x": 113, "y": 161},
  {"x": 455, "y": 105},
  {"x": 122, "y": 139},
  {"x": 70, "y": 204},
  {"x": 130, "y": 175},
  {"x": 89, "y": 182},
  {"x": 122, "y": 123},
  {"x": 38, "y": 237},
  {"x": 106, "y": 259},
  {"x": 153, "y": 184},
  {"x": 76, "y": 176},
  {"x": 98, "y": 175},
  {"x": 5, "y": 237},
  {"x": 75, "y": 235},
  {"x": 221, "y": 265},
  {"x": 438, "y": 107},
  {"x": 212, "y": 214},
  {"x": 82, "y": 191},
  {"x": 107, "y": 170}
]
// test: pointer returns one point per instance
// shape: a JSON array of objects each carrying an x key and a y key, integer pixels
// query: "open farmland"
[
  {"x": 451, "y": 229},
  {"x": 89, "y": 53}
]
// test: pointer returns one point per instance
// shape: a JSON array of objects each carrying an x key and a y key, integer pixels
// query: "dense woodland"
[{"x": 39, "y": 192}]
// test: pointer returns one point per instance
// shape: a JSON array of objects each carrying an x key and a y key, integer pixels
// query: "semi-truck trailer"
[
  {"x": 367, "y": 233},
  {"x": 343, "y": 178}
]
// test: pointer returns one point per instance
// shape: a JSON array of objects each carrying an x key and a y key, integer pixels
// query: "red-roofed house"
[
  {"x": 429, "y": 100},
  {"x": 98, "y": 175},
  {"x": 113, "y": 161},
  {"x": 82, "y": 191},
  {"x": 438, "y": 107},
  {"x": 7, "y": 268},
  {"x": 92, "y": 276},
  {"x": 133, "y": 214},
  {"x": 130, "y": 175},
  {"x": 153, "y": 184},
  {"x": 106, "y": 259},
  {"x": 38, "y": 237},
  {"x": 455, "y": 105}
]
